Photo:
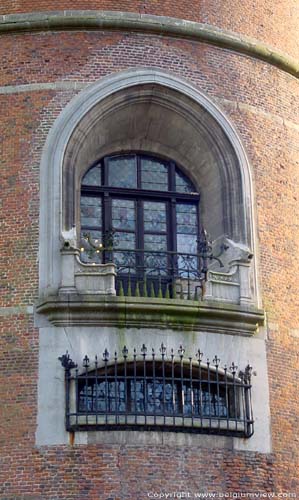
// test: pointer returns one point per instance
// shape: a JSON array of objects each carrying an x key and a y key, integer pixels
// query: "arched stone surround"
[{"x": 152, "y": 111}]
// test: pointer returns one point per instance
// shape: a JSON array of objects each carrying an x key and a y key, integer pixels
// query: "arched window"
[
  {"x": 159, "y": 389},
  {"x": 150, "y": 389},
  {"x": 142, "y": 213},
  {"x": 115, "y": 195}
]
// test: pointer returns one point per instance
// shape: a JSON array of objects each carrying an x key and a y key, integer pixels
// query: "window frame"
[
  {"x": 171, "y": 198},
  {"x": 119, "y": 392}
]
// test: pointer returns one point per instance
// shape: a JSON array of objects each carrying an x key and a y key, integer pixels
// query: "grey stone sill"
[
  {"x": 139, "y": 312},
  {"x": 156, "y": 438}
]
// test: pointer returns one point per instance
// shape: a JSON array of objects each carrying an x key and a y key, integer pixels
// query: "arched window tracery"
[{"x": 142, "y": 213}]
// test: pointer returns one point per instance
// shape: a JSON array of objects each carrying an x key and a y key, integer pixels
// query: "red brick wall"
[
  {"x": 263, "y": 104},
  {"x": 271, "y": 21},
  {"x": 130, "y": 473}
]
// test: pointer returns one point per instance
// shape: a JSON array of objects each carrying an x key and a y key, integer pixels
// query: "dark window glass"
[
  {"x": 91, "y": 211},
  {"x": 122, "y": 172},
  {"x": 137, "y": 393},
  {"x": 154, "y": 217},
  {"x": 149, "y": 210},
  {"x": 183, "y": 184},
  {"x": 154, "y": 175},
  {"x": 123, "y": 215},
  {"x": 187, "y": 228},
  {"x": 93, "y": 177}
]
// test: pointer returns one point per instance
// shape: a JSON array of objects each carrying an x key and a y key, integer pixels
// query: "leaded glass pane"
[
  {"x": 155, "y": 242},
  {"x": 186, "y": 216},
  {"x": 90, "y": 247},
  {"x": 155, "y": 262},
  {"x": 151, "y": 397},
  {"x": 187, "y": 264},
  {"x": 103, "y": 397},
  {"x": 123, "y": 214},
  {"x": 122, "y": 172},
  {"x": 93, "y": 177},
  {"x": 91, "y": 211},
  {"x": 183, "y": 184},
  {"x": 187, "y": 243},
  {"x": 154, "y": 216},
  {"x": 124, "y": 260},
  {"x": 124, "y": 240},
  {"x": 154, "y": 175},
  {"x": 203, "y": 403}
]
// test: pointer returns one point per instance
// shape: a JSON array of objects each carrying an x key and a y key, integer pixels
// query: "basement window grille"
[{"x": 156, "y": 391}]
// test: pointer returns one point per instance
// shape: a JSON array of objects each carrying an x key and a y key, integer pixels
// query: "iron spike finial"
[
  {"x": 106, "y": 355},
  {"x": 199, "y": 355},
  {"x": 66, "y": 361},
  {"x": 125, "y": 351},
  {"x": 163, "y": 349},
  {"x": 248, "y": 372},
  {"x": 216, "y": 361},
  {"x": 181, "y": 351},
  {"x": 143, "y": 350},
  {"x": 86, "y": 361},
  {"x": 233, "y": 368}
]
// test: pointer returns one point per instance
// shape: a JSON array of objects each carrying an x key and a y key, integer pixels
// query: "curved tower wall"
[{"x": 248, "y": 68}]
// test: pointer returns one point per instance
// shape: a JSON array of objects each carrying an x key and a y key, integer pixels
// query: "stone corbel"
[{"x": 230, "y": 281}]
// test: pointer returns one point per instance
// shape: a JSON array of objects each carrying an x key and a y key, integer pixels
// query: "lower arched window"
[
  {"x": 169, "y": 391},
  {"x": 142, "y": 213},
  {"x": 150, "y": 390}
]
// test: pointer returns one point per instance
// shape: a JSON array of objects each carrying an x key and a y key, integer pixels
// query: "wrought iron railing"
[
  {"x": 142, "y": 273},
  {"x": 153, "y": 273},
  {"x": 157, "y": 391}
]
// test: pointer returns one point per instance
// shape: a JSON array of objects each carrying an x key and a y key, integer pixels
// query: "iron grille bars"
[{"x": 158, "y": 391}]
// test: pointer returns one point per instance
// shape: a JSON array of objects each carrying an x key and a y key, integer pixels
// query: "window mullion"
[
  {"x": 105, "y": 172},
  {"x": 198, "y": 226},
  {"x": 107, "y": 224},
  {"x": 172, "y": 241},
  {"x": 171, "y": 176},
  {"x": 138, "y": 164},
  {"x": 171, "y": 230},
  {"x": 140, "y": 237}
]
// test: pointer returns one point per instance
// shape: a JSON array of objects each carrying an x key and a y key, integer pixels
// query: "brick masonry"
[
  {"x": 274, "y": 22},
  {"x": 263, "y": 103}
]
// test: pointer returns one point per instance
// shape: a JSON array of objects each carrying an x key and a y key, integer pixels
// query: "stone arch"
[{"x": 150, "y": 111}]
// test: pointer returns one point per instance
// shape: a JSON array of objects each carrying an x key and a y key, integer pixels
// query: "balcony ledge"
[{"x": 72, "y": 309}]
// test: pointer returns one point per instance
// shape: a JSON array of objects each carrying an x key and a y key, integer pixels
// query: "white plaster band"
[{"x": 35, "y": 87}]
